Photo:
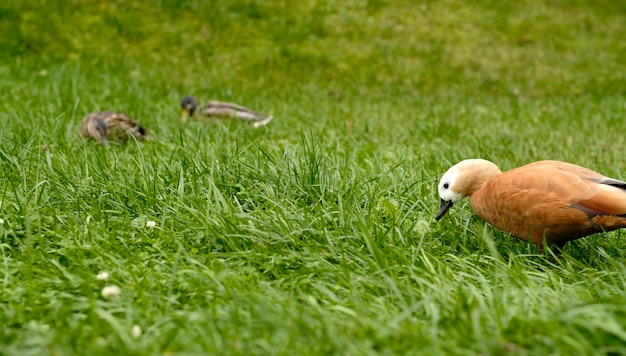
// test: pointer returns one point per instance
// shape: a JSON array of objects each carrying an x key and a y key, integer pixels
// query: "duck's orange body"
[{"x": 547, "y": 201}]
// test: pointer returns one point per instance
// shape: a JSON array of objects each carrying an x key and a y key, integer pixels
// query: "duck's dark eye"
[{"x": 445, "y": 185}]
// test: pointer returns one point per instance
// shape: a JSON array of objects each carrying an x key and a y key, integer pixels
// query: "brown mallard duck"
[
  {"x": 224, "y": 110},
  {"x": 106, "y": 125}
]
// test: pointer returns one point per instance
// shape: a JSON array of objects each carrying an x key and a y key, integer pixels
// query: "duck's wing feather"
[
  {"x": 225, "y": 109},
  {"x": 116, "y": 119},
  {"x": 224, "y": 104},
  {"x": 107, "y": 124},
  {"x": 122, "y": 122},
  {"x": 577, "y": 187}
]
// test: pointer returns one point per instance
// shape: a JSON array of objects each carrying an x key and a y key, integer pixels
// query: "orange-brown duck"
[{"x": 549, "y": 201}]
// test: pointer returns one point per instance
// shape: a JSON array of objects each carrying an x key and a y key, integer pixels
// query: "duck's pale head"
[
  {"x": 188, "y": 107},
  {"x": 462, "y": 180}
]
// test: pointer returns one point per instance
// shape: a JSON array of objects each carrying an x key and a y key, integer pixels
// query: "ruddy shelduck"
[{"x": 546, "y": 201}]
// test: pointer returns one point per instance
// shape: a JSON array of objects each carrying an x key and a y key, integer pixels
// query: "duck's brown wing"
[
  {"x": 110, "y": 125},
  {"x": 581, "y": 188}
]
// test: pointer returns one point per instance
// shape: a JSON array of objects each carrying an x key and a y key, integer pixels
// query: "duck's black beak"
[{"x": 443, "y": 208}]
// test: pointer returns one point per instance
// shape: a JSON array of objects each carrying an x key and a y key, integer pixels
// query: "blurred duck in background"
[
  {"x": 220, "y": 109},
  {"x": 109, "y": 125}
]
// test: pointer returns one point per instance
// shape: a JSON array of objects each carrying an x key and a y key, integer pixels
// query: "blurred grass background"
[
  {"x": 314, "y": 234},
  {"x": 390, "y": 48}
]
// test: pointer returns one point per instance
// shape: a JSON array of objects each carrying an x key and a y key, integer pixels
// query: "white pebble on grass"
[
  {"x": 102, "y": 276},
  {"x": 1, "y": 221},
  {"x": 151, "y": 224},
  {"x": 135, "y": 331},
  {"x": 111, "y": 292}
]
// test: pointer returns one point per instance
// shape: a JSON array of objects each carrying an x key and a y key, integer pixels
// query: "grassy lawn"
[{"x": 316, "y": 233}]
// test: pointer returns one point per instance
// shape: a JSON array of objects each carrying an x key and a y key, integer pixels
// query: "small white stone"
[
  {"x": 151, "y": 224},
  {"x": 135, "y": 331},
  {"x": 1, "y": 221},
  {"x": 102, "y": 276},
  {"x": 111, "y": 292}
]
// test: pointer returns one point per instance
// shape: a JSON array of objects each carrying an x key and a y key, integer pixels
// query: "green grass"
[{"x": 315, "y": 234}]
